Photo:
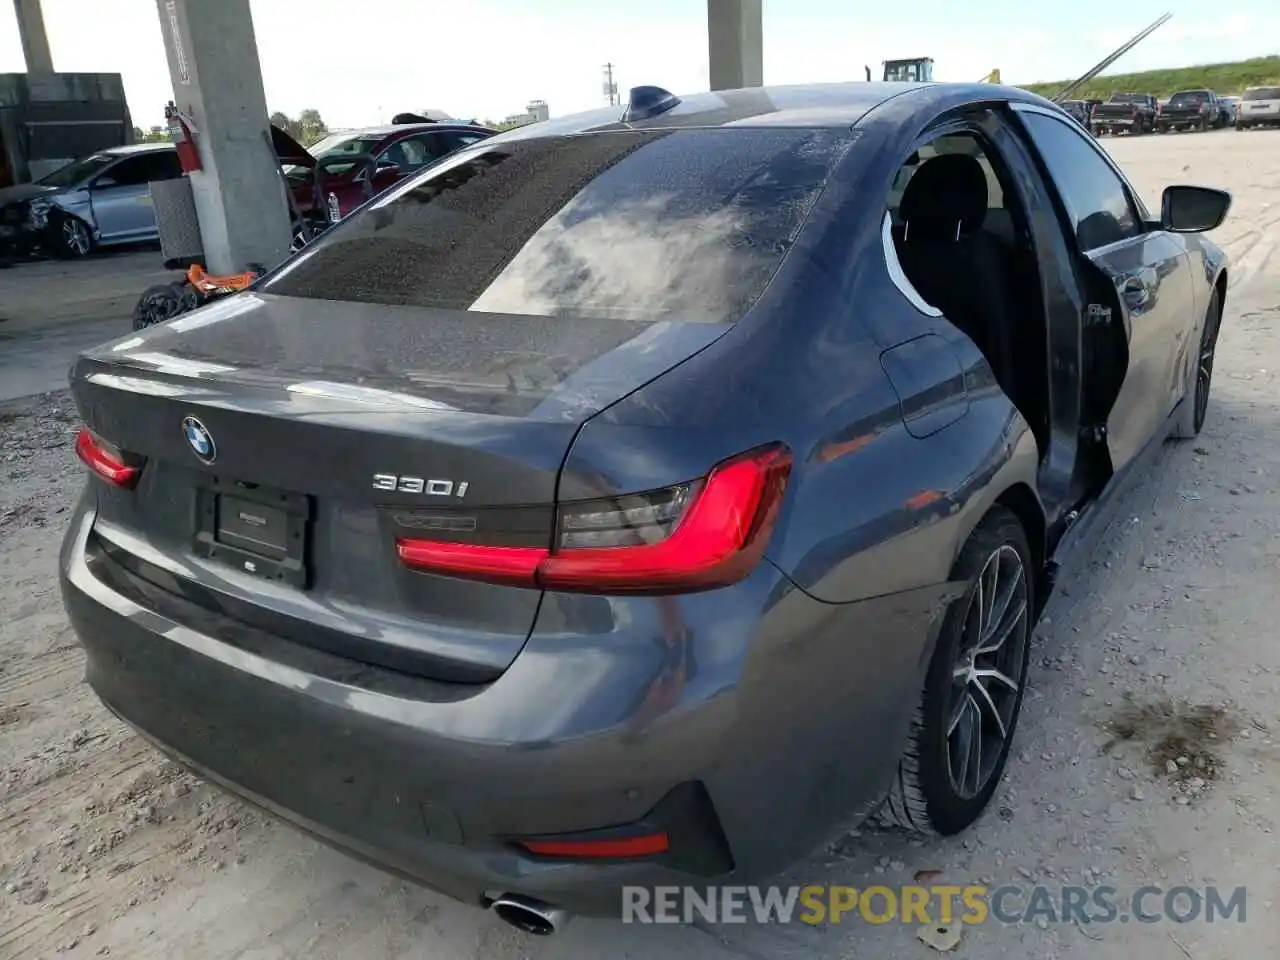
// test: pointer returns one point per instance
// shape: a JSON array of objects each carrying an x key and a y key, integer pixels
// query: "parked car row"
[
  {"x": 104, "y": 199},
  {"x": 1138, "y": 113}
]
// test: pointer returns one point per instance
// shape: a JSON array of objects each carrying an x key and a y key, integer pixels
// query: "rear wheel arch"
[
  {"x": 1022, "y": 502},
  {"x": 1025, "y": 505}
]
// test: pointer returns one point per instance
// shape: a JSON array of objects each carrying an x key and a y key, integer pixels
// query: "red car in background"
[{"x": 398, "y": 150}]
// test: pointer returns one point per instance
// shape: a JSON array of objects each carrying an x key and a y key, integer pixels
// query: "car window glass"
[
  {"x": 1262, "y": 93},
  {"x": 126, "y": 173},
  {"x": 1188, "y": 99},
  {"x": 421, "y": 149},
  {"x": 163, "y": 165},
  {"x": 465, "y": 138},
  {"x": 339, "y": 146},
  {"x": 674, "y": 224},
  {"x": 77, "y": 172},
  {"x": 1096, "y": 199}
]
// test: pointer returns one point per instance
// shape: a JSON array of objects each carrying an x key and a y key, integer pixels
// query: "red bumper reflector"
[
  {"x": 104, "y": 461},
  {"x": 616, "y": 849}
]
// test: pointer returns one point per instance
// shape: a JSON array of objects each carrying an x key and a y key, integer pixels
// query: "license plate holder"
[{"x": 262, "y": 531}]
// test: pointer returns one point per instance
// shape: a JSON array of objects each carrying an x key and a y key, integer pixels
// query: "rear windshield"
[
  {"x": 1188, "y": 98},
  {"x": 1129, "y": 98},
  {"x": 1263, "y": 93},
  {"x": 687, "y": 224}
]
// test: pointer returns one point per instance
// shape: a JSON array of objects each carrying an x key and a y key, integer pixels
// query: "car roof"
[
  {"x": 137, "y": 148},
  {"x": 390, "y": 129},
  {"x": 807, "y": 105}
]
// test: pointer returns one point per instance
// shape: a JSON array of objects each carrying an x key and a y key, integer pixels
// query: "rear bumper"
[{"x": 785, "y": 730}]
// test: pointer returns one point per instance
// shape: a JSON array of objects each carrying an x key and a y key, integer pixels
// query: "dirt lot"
[{"x": 1147, "y": 752}]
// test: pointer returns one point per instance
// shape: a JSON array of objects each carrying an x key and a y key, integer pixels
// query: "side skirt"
[{"x": 1094, "y": 517}]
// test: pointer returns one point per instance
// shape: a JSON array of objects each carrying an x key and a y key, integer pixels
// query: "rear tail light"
[
  {"x": 692, "y": 536},
  {"x": 105, "y": 460}
]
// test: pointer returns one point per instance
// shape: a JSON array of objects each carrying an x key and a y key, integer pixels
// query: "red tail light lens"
[
  {"x": 105, "y": 460},
  {"x": 692, "y": 536}
]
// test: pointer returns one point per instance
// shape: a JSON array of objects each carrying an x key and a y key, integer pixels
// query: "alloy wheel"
[
  {"x": 1204, "y": 369},
  {"x": 75, "y": 237},
  {"x": 983, "y": 696}
]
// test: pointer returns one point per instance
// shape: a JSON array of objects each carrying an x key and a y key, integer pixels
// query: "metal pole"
[{"x": 1110, "y": 59}]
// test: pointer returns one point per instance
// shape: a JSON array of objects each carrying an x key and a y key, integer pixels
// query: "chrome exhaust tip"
[{"x": 530, "y": 915}]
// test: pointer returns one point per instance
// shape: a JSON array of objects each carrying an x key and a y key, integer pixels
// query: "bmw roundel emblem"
[{"x": 199, "y": 439}]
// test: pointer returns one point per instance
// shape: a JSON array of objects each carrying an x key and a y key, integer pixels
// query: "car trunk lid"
[{"x": 332, "y": 429}]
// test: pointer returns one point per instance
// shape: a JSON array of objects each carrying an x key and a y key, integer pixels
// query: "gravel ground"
[{"x": 1147, "y": 751}]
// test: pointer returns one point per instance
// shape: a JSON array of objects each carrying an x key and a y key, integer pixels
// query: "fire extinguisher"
[{"x": 182, "y": 131}]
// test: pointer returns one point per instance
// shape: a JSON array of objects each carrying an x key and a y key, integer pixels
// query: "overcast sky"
[{"x": 486, "y": 58}]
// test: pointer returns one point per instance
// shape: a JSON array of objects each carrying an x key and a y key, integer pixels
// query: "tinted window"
[
  {"x": 141, "y": 168},
  {"x": 1263, "y": 93},
  {"x": 127, "y": 173},
  {"x": 339, "y": 145},
  {"x": 1188, "y": 98},
  {"x": 686, "y": 224},
  {"x": 464, "y": 138},
  {"x": 1096, "y": 199},
  {"x": 163, "y": 165},
  {"x": 415, "y": 151}
]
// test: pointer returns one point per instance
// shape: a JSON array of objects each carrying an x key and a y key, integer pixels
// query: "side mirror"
[{"x": 1186, "y": 209}]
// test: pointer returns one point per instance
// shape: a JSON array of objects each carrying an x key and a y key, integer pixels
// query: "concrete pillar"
[
  {"x": 35, "y": 42},
  {"x": 735, "y": 35},
  {"x": 217, "y": 81}
]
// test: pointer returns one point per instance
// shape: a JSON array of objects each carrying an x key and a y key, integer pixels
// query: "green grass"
[{"x": 1224, "y": 79}]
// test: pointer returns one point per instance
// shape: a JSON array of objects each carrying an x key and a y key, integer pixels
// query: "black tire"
[
  {"x": 68, "y": 237},
  {"x": 925, "y": 797},
  {"x": 158, "y": 304},
  {"x": 1198, "y": 381}
]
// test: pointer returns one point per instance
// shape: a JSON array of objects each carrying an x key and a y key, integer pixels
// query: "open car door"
[{"x": 288, "y": 150}]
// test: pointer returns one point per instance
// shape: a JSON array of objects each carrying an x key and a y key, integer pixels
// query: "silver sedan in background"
[{"x": 100, "y": 200}]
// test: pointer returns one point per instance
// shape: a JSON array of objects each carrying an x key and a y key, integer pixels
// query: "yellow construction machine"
[{"x": 919, "y": 70}]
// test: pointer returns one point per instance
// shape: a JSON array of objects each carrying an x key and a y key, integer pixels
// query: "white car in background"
[{"x": 1259, "y": 107}]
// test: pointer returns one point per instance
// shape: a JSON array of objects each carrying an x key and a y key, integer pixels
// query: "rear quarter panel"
[{"x": 871, "y": 509}]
